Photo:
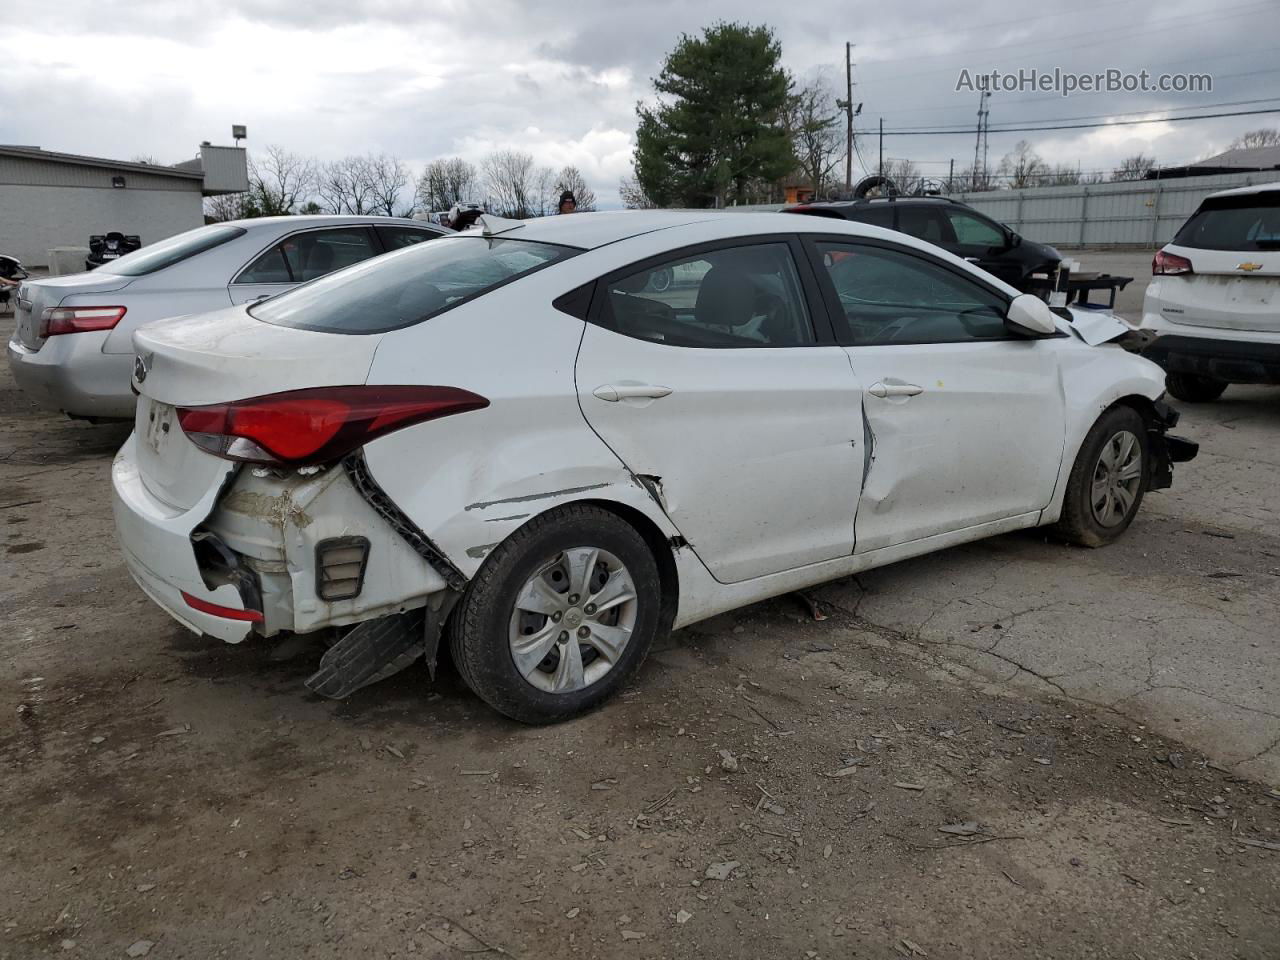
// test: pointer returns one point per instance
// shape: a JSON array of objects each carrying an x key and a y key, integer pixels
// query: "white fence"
[
  {"x": 1143, "y": 213},
  {"x": 1138, "y": 213}
]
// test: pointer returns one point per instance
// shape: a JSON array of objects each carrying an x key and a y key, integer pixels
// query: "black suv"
[{"x": 952, "y": 225}]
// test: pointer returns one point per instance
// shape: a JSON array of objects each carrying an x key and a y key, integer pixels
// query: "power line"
[
  {"x": 1098, "y": 93},
  {"x": 1081, "y": 126},
  {"x": 1111, "y": 116}
]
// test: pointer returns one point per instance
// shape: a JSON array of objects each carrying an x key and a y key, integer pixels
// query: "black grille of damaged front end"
[{"x": 340, "y": 566}]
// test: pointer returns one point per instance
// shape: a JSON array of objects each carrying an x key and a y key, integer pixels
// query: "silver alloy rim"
[
  {"x": 1116, "y": 479},
  {"x": 573, "y": 620}
]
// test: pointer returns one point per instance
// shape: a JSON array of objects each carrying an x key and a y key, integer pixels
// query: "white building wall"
[{"x": 33, "y": 219}]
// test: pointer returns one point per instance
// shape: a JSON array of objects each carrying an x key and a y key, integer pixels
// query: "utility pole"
[
  {"x": 850, "y": 111},
  {"x": 881, "y": 170},
  {"x": 951, "y": 176},
  {"x": 980, "y": 144}
]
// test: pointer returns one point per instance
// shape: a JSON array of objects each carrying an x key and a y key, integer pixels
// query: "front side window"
[
  {"x": 1248, "y": 222},
  {"x": 747, "y": 296},
  {"x": 170, "y": 251},
  {"x": 893, "y": 297},
  {"x": 974, "y": 231},
  {"x": 409, "y": 285}
]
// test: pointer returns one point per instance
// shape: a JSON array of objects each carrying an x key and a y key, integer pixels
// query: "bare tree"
[
  {"x": 571, "y": 179},
  {"x": 815, "y": 136},
  {"x": 1061, "y": 176},
  {"x": 388, "y": 178},
  {"x": 226, "y": 206},
  {"x": 904, "y": 174},
  {"x": 1134, "y": 167},
  {"x": 446, "y": 182},
  {"x": 1262, "y": 137},
  {"x": 279, "y": 181},
  {"x": 145, "y": 158},
  {"x": 633, "y": 195},
  {"x": 345, "y": 186},
  {"x": 512, "y": 184},
  {"x": 1022, "y": 166}
]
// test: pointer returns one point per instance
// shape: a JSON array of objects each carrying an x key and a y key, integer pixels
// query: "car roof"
[
  {"x": 323, "y": 220},
  {"x": 591, "y": 230},
  {"x": 1243, "y": 191}
]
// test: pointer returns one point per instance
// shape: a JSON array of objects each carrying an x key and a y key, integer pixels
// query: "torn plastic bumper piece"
[
  {"x": 371, "y": 651},
  {"x": 1166, "y": 450}
]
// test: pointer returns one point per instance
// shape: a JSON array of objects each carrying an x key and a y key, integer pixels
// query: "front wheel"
[
  {"x": 1192, "y": 388},
  {"x": 561, "y": 614},
  {"x": 1108, "y": 480}
]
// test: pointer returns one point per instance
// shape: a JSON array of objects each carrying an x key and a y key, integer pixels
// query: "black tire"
[
  {"x": 1079, "y": 522},
  {"x": 1192, "y": 388},
  {"x": 478, "y": 628}
]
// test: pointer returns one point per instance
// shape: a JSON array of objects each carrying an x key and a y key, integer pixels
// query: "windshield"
[
  {"x": 408, "y": 286},
  {"x": 1249, "y": 222},
  {"x": 170, "y": 251}
]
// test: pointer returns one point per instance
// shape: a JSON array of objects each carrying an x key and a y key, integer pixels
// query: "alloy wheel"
[
  {"x": 1117, "y": 479},
  {"x": 572, "y": 620}
]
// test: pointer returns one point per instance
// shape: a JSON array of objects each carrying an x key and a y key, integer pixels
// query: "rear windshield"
[
  {"x": 1249, "y": 222},
  {"x": 166, "y": 253},
  {"x": 408, "y": 286}
]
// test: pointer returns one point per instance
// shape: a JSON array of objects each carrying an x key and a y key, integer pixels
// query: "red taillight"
[
  {"x": 56, "y": 321},
  {"x": 1169, "y": 265},
  {"x": 217, "y": 610},
  {"x": 316, "y": 425}
]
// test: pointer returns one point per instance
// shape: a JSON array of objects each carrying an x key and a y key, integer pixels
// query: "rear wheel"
[
  {"x": 1193, "y": 388},
  {"x": 560, "y": 615},
  {"x": 1107, "y": 481}
]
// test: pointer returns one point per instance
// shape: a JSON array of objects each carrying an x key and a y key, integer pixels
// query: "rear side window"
[
  {"x": 925, "y": 223},
  {"x": 173, "y": 250},
  {"x": 1249, "y": 222},
  {"x": 408, "y": 286},
  {"x": 393, "y": 238},
  {"x": 880, "y": 215}
]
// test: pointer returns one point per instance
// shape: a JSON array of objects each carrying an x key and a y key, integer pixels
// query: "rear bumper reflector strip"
[{"x": 217, "y": 610}]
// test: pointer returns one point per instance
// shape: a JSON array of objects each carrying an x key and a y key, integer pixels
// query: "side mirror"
[{"x": 1029, "y": 316}]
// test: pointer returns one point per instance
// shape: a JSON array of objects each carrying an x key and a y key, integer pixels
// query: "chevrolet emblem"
[{"x": 1250, "y": 267}]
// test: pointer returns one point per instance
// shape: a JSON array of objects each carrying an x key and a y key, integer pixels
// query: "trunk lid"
[
  {"x": 35, "y": 296},
  {"x": 1227, "y": 289},
  {"x": 1233, "y": 243},
  {"x": 215, "y": 358}
]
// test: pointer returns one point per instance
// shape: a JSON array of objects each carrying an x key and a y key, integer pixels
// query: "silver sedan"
[{"x": 72, "y": 349}]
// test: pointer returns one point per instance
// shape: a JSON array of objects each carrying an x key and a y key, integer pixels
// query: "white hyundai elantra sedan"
[{"x": 552, "y": 441}]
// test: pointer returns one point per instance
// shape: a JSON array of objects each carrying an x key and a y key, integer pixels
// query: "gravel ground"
[{"x": 1095, "y": 730}]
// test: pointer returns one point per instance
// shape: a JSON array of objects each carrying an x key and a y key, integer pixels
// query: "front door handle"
[
  {"x": 613, "y": 392},
  {"x": 882, "y": 390}
]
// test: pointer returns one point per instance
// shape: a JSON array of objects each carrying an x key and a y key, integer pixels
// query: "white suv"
[{"x": 1214, "y": 302}]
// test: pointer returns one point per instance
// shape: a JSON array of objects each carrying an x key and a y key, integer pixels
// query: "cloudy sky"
[{"x": 429, "y": 78}]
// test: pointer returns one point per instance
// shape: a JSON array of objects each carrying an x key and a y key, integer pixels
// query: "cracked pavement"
[{"x": 1177, "y": 626}]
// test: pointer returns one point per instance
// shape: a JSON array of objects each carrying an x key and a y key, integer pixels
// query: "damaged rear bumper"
[{"x": 156, "y": 541}]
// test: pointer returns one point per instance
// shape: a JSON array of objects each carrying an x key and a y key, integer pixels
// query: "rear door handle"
[
  {"x": 613, "y": 392},
  {"x": 882, "y": 390}
]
